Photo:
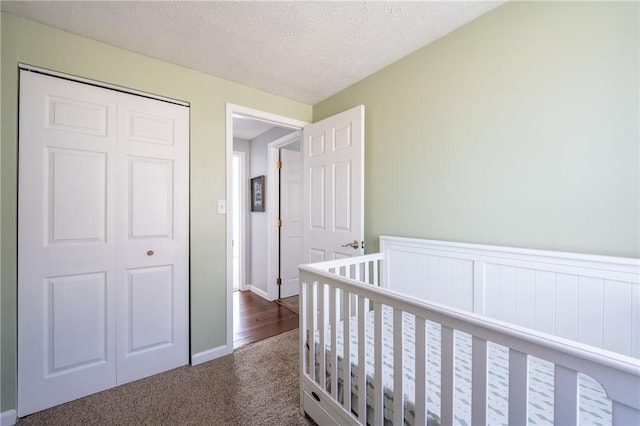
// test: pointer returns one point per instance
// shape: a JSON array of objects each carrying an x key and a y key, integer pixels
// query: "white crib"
[{"x": 482, "y": 335}]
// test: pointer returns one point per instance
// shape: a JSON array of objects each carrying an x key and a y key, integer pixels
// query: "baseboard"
[
  {"x": 8, "y": 418},
  {"x": 259, "y": 292},
  {"x": 209, "y": 355}
]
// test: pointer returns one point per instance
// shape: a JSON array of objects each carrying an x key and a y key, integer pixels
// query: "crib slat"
[
  {"x": 421, "y": 372},
  {"x": 322, "y": 370},
  {"x": 518, "y": 387},
  {"x": 312, "y": 309},
  {"x": 334, "y": 343},
  {"x": 398, "y": 368},
  {"x": 304, "y": 327},
  {"x": 479, "y": 381},
  {"x": 378, "y": 394},
  {"x": 376, "y": 280},
  {"x": 565, "y": 396},
  {"x": 346, "y": 344},
  {"x": 446, "y": 375},
  {"x": 361, "y": 379}
]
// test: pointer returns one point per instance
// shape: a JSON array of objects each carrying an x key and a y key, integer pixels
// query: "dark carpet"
[{"x": 257, "y": 385}]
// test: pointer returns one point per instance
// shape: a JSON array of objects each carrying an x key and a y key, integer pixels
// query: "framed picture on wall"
[{"x": 257, "y": 194}]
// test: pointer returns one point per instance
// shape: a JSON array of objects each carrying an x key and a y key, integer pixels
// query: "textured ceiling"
[
  {"x": 305, "y": 51},
  {"x": 247, "y": 128}
]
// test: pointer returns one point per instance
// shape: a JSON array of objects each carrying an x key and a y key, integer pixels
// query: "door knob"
[
  {"x": 353, "y": 244},
  {"x": 150, "y": 253}
]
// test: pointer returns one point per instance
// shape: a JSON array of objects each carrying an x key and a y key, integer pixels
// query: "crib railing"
[
  {"x": 335, "y": 291},
  {"x": 364, "y": 269}
]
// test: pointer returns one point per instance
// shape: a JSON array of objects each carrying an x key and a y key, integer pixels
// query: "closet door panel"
[
  {"x": 152, "y": 238},
  {"x": 75, "y": 197},
  {"x": 66, "y": 237},
  {"x": 150, "y": 309},
  {"x": 67, "y": 323}
]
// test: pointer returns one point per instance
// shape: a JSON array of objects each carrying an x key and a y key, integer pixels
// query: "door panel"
[
  {"x": 316, "y": 255},
  {"x": 75, "y": 196},
  {"x": 291, "y": 216},
  {"x": 150, "y": 324},
  {"x": 66, "y": 218},
  {"x": 317, "y": 184},
  {"x": 151, "y": 186},
  {"x": 333, "y": 205},
  {"x": 143, "y": 127},
  {"x": 152, "y": 237},
  {"x": 67, "y": 322},
  {"x": 76, "y": 116},
  {"x": 342, "y": 198}
]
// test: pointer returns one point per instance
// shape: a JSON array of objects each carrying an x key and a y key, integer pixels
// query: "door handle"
[{"x": 353, "y": 244}]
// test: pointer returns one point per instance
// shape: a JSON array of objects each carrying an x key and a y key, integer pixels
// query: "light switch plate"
[{"x": 222, "y": 206}]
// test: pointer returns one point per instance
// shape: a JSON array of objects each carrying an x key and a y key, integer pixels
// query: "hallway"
[{"x": 256, "y": 318}]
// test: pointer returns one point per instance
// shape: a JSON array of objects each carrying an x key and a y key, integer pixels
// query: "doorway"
[
  {"x": 332, "y": 205},
  {"x": 258, "y": 263},
  {"x": 285, "y": 242}
]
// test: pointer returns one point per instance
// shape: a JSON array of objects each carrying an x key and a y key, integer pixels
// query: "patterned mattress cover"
[{"x": 595, "y": 408}]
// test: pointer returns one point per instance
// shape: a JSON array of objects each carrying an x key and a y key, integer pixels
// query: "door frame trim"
[
  {"x": 78, "y": 79},
  {"x": 242, "y": 255},
  {"x": 243, "y": 111}
]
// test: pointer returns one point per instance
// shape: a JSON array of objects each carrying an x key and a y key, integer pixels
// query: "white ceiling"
[
  {"x": 247, "y": 128},
  {"x": 306, "y": 51}
]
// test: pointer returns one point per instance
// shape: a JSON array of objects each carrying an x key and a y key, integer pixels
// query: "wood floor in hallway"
[{"x": 255, "y": 318}]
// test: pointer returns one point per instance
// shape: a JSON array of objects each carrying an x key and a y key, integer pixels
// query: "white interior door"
[
  {"x": 152, "y": 237},
  {"x": 291, "y": 216},
  {"x": 333, "y": 204},
  {"x": 90, "y": 200}
]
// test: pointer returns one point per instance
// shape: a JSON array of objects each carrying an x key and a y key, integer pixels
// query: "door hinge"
[
  {"x": 279, "y": 223},
  {"x": 279, "y": 164},
  {"x": 279, "y": 281}
]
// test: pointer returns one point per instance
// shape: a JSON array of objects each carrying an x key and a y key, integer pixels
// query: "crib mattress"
[{"x": 595, "y": 408}]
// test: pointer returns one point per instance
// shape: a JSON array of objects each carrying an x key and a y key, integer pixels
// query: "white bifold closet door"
[{"x": 103, "y": 277}]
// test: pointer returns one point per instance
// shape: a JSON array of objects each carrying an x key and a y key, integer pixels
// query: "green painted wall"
[
  {"x": 31, "y": 43},
  {"x": 518, "y": 129}
]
